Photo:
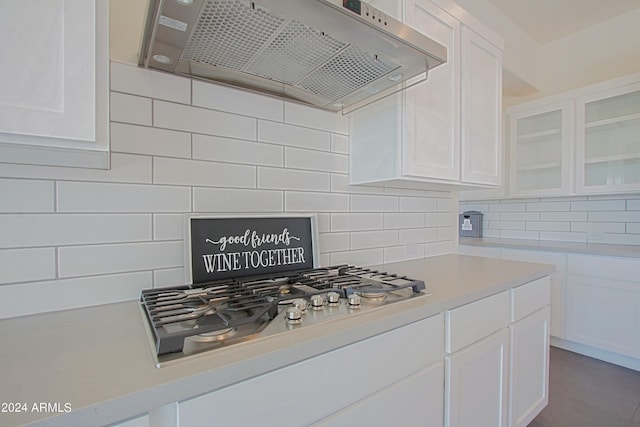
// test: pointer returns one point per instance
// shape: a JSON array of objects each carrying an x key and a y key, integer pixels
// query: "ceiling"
[{"x": 549, "y": 20}]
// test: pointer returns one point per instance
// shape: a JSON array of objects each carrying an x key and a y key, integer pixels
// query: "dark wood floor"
[{"x": 585, "y": 392}]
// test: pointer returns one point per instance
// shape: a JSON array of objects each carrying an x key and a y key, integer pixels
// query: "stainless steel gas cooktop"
[{"x": 187, "y": 320}]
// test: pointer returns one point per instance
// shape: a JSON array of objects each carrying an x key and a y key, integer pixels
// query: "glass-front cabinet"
[
  {"x": 608, "y": 141},
  {"x": 540, "y": 162}
]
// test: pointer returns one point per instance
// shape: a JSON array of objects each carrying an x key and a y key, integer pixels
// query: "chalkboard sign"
[{"x": 225, "y": 247}]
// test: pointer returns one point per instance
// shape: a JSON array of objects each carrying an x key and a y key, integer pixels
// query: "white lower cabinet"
[
  {"x": 603, "y": 303},
  {"x": 476, "y": 363},
  {"x": 529, "y": 352},
  {"x": 340, "y": 378},
  {"x": 476, "y": 384},
  {"x": 416, "y": 401}
]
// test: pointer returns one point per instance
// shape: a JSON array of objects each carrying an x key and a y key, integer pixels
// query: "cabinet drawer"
[
  {"x": 474, "y": 321},
  {"x": 614, "y": 268},
  {"x": 527, "y": 299}
]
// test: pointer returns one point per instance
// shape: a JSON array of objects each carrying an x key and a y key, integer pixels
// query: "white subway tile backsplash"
[
  {"x": 130, "y": 109},
  {"x": 507, "y": 207},
  {"x": 563, "y": 216},
  {"x": 19, "y": 195},
  {"x": 23, "y": 265},
  {"x": 100, "y": 236},
  {"x": 405, "y": 220},
  {"x": 364, "y": 257},
  {"x": 237, "y": 151},
  {"x": 440, "y": 219},
  {"x": 599, "y": 227},
  {"x": 201, "y": 173},
  {"x": 548, "y": 206},
  {"x": 420, "y": 204},
  {"x": 619, "y": 239},
  {"x": 366, "y": 203},
  {"x": 402, "y": 253},
  {"x": 102, "y": 197},
  {"x": 168, "y": 277},
  {"x": 323, "y": 222},
  {"x": 446, "y": 233},
  {"x": 315, "y": 202},
  {"x": 512, "y": 234},
  {"x": 519, "y": 216},
  {"x": 168, "y": 226},
  {"x": 356, "y": 222},
  {"x": 279, "y": 133},
  {"x": 200, "y": 120},
  {"x": 298, "y": 158},
  {"x": 509, "y": 225},
  {"x": 311, "y": 117},
  {"x": 333, "y": 242},
  {"x": 55, "y": 295},
  {"x": 339, "y": 143},
  {"x": 93, "y": 260},
  {"x": 340, "y": 184},
  {"x": 287, "y": 179},
  {"x": 550, "y": 226},
  {"x": 223, "y": 98},
  {"x": 564, "y": 237},
  {"x": 373, "y": 239},
  {"x": 598, "y": 205},
  {"x": 236, "y": 200},
  {"x": 438, "y": 248},
  {"x": 25, "y": 230},
  {"x": 418, "y": 235},
  {"x": 446, "y": 205},
  {"x": 633, "y": 227},
  {"x": 152, "y": 84},
  {"x": 127, "y": 138},
  {"x": 633, "y": 205},
  {"x": 618, "y": 216},
  {"x": 124, "y": 168}
]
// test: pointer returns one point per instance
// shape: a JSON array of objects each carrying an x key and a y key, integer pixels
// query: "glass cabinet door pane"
[
  {"x": 612, "y": 141},
  {"x": 539, "y": 151}
]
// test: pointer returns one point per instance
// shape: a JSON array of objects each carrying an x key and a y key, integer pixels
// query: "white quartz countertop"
[
  {"x": 97, "y": 361},
  {"x": 630, "y": 251}
]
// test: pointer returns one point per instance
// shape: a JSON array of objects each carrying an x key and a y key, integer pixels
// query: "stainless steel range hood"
[{"x": 333, "y": 54}]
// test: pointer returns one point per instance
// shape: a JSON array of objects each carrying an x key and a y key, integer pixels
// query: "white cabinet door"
[
  {"x": 481, "y": 109},
  {"x": 54, "y": 88},
  {"x": 338, "y": 379},
  {"x": 432, "y": 130},
  {"x": 529, "y": 368},
  {"x": 604, "y": 313},
  {"x": 607, "y": 143},
  {"x": 476, "y": 384},
  {"x": 541, "y": 141},
  {"x": 415, "y": 401}
]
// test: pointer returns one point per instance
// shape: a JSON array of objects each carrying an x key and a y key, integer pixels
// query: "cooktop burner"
[{"x": 186, "y": 320}]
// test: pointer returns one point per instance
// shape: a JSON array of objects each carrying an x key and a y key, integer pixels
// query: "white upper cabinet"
[
  {"x": 481, "y": 110},
  {"x": 608, "y": 141},
  {"x": 443, "y": 133},
  {"x": 54, "y": 97},
  {"x": 540, "y": 162},
  {"x": 432, "y": 139}
]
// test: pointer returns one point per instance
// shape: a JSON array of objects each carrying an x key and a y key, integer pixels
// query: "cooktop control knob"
[
  {"x": 300, "y": 303},
  {"x": 333, "y": 298},
  {"x": 317, "y": 302},
  {"x": 354, "y": 301},
  {"x": 293, "y": 315}
]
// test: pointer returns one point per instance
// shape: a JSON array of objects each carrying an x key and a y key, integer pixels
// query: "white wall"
[{"x": 79, "y": 237}]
